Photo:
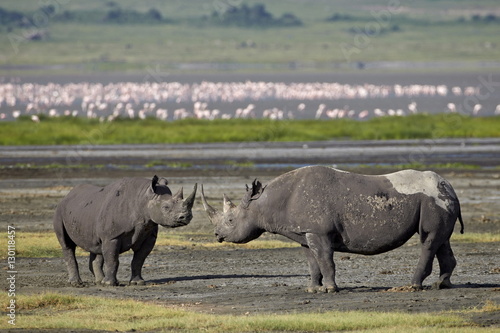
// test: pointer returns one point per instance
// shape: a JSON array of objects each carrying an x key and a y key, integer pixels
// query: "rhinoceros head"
[
  {"x": 169, "y": 210},
  {"x": 236, "y": 224}
]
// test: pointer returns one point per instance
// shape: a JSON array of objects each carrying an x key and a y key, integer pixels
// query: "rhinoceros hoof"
[
  {"x": 137, "y": 282},
  {"x": 322, "y": 289},
  {"x": 109, "y": 282},
  {"x": 446, "y": 284},
  {"x": 313, "y": 289},
  {"x": 329, "y": 289},
  {"x": 415, "y": 287},
  {"x": 76, "y": 282}
]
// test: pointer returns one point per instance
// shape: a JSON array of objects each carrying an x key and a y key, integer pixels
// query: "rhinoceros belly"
[{"x": 375, "y": 224}]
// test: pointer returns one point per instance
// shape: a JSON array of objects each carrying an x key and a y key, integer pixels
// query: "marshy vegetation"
[{"x": 73, "y": 130}]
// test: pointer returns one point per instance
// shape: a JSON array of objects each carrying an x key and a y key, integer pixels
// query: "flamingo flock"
[{"x": 141, "y": 100}]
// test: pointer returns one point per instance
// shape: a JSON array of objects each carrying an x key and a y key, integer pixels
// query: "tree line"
[{"x": 113, "y": 13}]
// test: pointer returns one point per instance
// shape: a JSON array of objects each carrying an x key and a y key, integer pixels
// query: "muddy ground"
[{"x": 243, "y": 281}]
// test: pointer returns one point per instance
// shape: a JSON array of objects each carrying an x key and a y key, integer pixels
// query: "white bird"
[
  {"x": 451, "y": 107},
  {"x": 363, "y": 114},
  {"x": 319, "y": 112},
  {"x": 477, "y": 108},
  {"x": 412, "y": 107},
  {"x": 141, "y": 114}
]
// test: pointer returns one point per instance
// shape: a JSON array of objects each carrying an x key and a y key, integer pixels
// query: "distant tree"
[
  {"x": 114, "y": 15},
  {"x": 289, "y": 20},
  {"x": 121, "y": 16},
  {"x": 155, "y": 14},
  {"x": 254, "y": 16},
  {"x": 10, "y": 18},
  {"x": 476, "y": 17},
  {"x": 49, "y": 10},
  {"x": 490, "y": 18},
  {"x": 339, "y": 17}
]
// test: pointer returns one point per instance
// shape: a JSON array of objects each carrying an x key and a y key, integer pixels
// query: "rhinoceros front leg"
[
  {"x": 321, "y": 247},
  {"x": 96, "y": 262},
  {"x": 314, "y": 270},
  {"x": 140, "y": 256},
  {"x": 110, "y": 252}
]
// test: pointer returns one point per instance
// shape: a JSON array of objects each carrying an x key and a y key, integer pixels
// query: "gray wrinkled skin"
[
  {"x": 110, "y": 220},
  {"x": 327, "y": 210}
]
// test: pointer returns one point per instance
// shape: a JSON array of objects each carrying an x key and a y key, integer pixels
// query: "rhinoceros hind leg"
[
  {"x": 321, "y": 263},
  {"x": 314, "y": 270},
  {"x": 424, "y": 266},
  {"x": 72, "y": 266},
  {"x": 447, "y": 264},
  {"x": 96, "y": 262},
  {"x": 110, "y": 252},
  {"x": 68, "y": 249}
]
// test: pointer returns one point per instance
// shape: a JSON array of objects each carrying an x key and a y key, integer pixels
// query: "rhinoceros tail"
[
  {"x": 459, "y": 216},
  {"x": 461, "y": 222},
  {"x": 455, "y": 197}
]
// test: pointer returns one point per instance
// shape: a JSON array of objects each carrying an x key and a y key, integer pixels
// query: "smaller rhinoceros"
[
  {"x": 327, "y": 210},
  {"x": 110, "y": 220}
]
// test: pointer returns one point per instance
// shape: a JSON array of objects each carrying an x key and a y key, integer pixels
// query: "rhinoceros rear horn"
[
  {"x": 211, "y": 211},
  {"x": 179, "y": 195},
  {"x": 190, "y": 200},
  {"x": 227, "y": 203}
]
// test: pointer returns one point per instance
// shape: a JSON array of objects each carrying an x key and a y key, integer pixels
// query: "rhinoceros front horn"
[
  {"x": 211, "y": 211},
  {"x": 190, "y": 200}
]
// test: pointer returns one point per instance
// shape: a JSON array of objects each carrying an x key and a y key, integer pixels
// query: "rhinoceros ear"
[
  {"x": 252, "y": 193},
  {"x": 163, "y": 181},
  {"x": 154, "y": 183},
  {"x": 257, "y": 189}
]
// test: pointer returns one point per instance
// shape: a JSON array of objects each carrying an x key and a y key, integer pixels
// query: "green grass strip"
[
  {"x": 79, "y": 131},
  {"x": 58, "y": 311}
]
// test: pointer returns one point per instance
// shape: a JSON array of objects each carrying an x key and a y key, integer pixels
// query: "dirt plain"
[{"x": 240, "y": 281}]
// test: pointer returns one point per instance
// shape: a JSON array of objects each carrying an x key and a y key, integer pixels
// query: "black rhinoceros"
[
  {"x": 327, "y": 210},
  {"x": 110, "y": 220}
]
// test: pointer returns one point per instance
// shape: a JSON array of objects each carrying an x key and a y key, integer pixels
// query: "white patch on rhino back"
[{"x": 413, "y": 182}]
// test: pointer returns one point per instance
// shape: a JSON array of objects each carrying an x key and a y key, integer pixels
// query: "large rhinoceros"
[
  {"x": 110, "y": 220},
  {"x": 327, "y": 210}
]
